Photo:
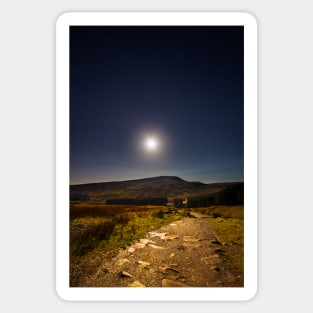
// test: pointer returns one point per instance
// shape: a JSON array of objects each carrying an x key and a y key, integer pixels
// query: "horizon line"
[{"x": 133, "y": 179}]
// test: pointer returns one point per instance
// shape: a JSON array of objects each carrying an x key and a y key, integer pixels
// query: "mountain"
[{"x": 170, "y": 187}]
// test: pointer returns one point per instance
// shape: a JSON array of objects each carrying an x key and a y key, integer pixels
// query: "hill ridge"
[
  {"x": 170, "y": 187},
  {"x": 134, "y": 180}
]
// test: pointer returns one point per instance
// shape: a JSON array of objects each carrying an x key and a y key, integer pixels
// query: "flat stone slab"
[
  {"x": 155, "y": 246},
  {"x": 155, "y": 234},
  {"x": 145, "y": 241},
  {"x": 171, "y": 237},
  {"x": 137, "y": 245},
  {"x": 126, "y": 274},
  {"x": 143, "y": 263},
  {"x": 137, "y": 284},
  {"x": 173, "y": 283},
  {"x": 165, "y": 268},
  {"x": 121, "y": 262}
]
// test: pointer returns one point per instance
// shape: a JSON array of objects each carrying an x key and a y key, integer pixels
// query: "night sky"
[{"x": 182, "y": 86}]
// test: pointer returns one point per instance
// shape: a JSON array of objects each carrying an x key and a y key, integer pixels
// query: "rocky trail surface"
[{"x": 184, "y": 253}]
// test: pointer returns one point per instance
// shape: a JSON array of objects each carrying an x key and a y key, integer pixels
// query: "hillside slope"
[{"x": 162, "y": 186}]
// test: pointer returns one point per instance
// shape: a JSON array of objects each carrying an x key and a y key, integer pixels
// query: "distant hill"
[{"x": 171, "y": 187}]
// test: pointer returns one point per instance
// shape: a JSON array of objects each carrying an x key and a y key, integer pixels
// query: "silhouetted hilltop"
[{"x": 169, "y": 187}]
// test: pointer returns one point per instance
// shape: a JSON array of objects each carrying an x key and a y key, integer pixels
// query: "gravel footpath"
[{"x": 184, "y": 253}]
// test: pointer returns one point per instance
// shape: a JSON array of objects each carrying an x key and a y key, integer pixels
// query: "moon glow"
[{"x": 151, "y": 144}]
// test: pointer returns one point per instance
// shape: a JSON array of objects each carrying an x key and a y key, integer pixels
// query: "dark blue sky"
[{"x": 181, "y": 85}]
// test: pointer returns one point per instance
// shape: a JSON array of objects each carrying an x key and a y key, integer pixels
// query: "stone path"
[{"x": 180, "y": 254}]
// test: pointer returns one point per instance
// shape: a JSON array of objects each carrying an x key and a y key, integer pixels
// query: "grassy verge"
[
  {"x": 230, "y": 232},
  {"x": 226, "y": 211}
]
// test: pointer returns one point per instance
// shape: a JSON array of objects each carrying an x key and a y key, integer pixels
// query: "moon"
[{"x": 151, "y": 144}]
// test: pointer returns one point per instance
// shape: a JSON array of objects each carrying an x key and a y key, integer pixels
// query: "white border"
[{"x": 62, "y": 156}]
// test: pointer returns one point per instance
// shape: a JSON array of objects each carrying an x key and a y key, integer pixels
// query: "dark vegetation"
[
  {"x": 119, "y": 212},
  {"x": 139, "y": 201},
  {"x": 230, "y": 195},
  {"x": 85, "y": 237},
  {"x": 225, "y": 211},
  {"x": 76, "y": 196}
]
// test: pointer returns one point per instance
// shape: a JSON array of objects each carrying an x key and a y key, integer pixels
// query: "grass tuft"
[{"x": 230, "y": 232}]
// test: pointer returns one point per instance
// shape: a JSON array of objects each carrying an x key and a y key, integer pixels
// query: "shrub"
[
  {"x": 159, "y": 214},
  {"x": 88, "y": 237},
  {"x": 216, "y": 215}
]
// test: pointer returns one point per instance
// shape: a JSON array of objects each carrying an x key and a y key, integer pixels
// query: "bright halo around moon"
[{"x": 151, "y": 144}]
